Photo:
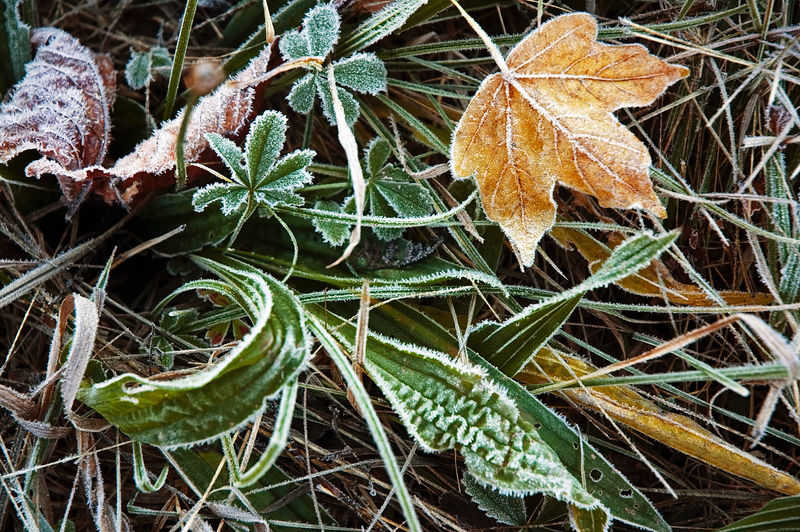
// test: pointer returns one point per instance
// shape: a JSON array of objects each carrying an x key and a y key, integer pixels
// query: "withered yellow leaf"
[{"x": 546, "y": 117}]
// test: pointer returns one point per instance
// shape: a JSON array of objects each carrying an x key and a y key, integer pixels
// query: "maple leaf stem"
[{"x": 494, "y": 51}]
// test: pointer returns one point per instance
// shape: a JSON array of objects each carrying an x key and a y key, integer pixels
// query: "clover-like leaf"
[
  {"x": 360, "y": 72},
  {"x": 390, "y": 194},
  {"x": 259, "y": 178},
  {"x": 547, "y": 118},
  {"x": 142, "y": 66}
]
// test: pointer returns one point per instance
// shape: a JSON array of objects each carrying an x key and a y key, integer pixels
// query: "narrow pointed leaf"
[{"x": 512, "y": 344}]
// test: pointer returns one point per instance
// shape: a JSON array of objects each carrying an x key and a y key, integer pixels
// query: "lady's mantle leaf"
[
  {"x": 60, "y": 108},
  {"x": 361, "y": 72},
  {"x": 546, "y": 117},
  {"x": 259, "y": 178},
  {"x": 216, "y": 400}
]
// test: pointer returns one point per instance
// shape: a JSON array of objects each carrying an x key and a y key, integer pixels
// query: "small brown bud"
[{"x": 204, "y": 76}]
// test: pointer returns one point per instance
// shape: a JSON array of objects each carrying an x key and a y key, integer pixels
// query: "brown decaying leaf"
[
  {"x": 60, "y": 108},
  {"x": 546, "y": 117},
  {"x": 151, "y": 166},
  {"x": 624, "y": 404}
]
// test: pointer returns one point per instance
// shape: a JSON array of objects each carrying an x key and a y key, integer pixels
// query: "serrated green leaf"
[
  {"x": 230, "y": 154},
  {"x": 511, "y": 345},
  {"x": 505, "y": 508},
  {"x": 450, "y": 404},
  {"x": 293, "y": 45},
  {"x": 216, "y": 400},
  {"x": 137, "y": 71},
  {"x": 407, "y": 199},
  {"x": 231, "y": 197},
  {"x": 376, "y": 154},
  {"x": 777, "y": 515},
  {"x": 290, "y": 172},
  {"x": 361, "y": 72},
  {"x": 378, "y": 206},
  {"x": 333, "y": 233},
  {"x": 349, "y": 103},
  {"x": 264, "y": 142},
  {"x": 301, "y": 97},
  {"x": 321, "y": 29}
]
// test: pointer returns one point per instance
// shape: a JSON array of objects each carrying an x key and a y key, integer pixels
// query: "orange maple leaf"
[{"x": 547, "y": 117}]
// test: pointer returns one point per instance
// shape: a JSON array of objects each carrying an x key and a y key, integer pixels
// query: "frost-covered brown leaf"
[
  {"x": 60, "y": 108},
  {"x": 546, "y": 118}
]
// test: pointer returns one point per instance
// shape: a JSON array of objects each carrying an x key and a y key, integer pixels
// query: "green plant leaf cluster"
[
  {"x": 143, "y": 66},
  {"x": 391, "y": 193},
  {"x": 360, "y": 72}
]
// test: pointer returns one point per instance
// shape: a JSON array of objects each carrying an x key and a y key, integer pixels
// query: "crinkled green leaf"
[
  {"x": 607, "y": 484},
  {"x": 507, "y": 509},
  {"x": 232, "y": 197},
  {"x": 186, "y": 411},
  {"x": 361, "y": 72},
  {"x": 302, "y": 95},
  {"x": 264, "y": 142},
  {"x": 449, "y": 404},
  {"x": 230, "y": 154}
]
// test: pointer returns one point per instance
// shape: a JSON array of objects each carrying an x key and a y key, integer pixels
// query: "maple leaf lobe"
[{"x": 546, "y": 118}]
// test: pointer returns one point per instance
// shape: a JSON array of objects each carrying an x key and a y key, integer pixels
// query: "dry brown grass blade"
[
  {"x": 654, "y": 280},
  {"x": 625, "y": 405}
]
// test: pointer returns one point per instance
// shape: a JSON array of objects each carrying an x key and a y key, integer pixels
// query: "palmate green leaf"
[
  {"x": 214, "y": 401},
  {"x": 450, "y": 404},
  {"x": 332, "y": 232},
  {"x": 603, "y": 480},
  {"x": 778, "y": 515},
  {"x": 142, "y": 65}
]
